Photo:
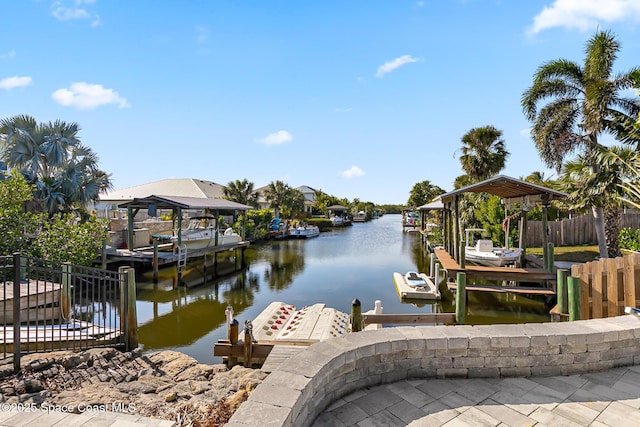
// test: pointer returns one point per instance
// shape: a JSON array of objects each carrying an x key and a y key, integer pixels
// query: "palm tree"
[
  {"x": 583, "y": 103},
  {"x": 276, "y": 194},
  {"x": 51, "y": 156},
  {"x": 241, "y": 192},
  {"x": 483, "y": 152},
  {"x": 604, "y": 188}
]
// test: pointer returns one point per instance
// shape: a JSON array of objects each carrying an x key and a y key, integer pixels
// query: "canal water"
[{"x": 334, "y": 268}]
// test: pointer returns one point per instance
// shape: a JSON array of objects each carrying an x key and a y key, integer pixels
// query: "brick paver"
[{"x": 607, "y": 398}]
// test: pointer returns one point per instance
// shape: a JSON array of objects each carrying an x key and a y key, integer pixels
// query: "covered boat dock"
[{"x": 516, "y": 194}]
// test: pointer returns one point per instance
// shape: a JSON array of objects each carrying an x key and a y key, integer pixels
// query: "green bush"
[{"x": 629, "y": 238}]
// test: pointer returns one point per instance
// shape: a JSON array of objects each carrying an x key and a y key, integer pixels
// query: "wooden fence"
[
  {"x": 574, "y": 231},
  {"x": 607, "y": 286}
]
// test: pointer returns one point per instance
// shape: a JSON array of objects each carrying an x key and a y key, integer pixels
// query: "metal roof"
[
  {"x": 337, "y": 208},
  {"x": 505, "y": 187},
  {"x": 170, "y": 202},
  {"x": 435, "y": 204}
]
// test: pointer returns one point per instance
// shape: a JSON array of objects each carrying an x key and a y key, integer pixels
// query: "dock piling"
[
  {"x": 561, "y": 290},
  {"x": 356, "y": 315},
  {"x": 461, "y": 298},
  {"x": 573, "y": 285}
]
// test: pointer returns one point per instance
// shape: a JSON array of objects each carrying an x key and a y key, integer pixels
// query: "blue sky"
[{"x": 360, "y": 99}]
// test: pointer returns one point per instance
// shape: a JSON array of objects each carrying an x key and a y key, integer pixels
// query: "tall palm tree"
[
  {"x": 241, "y": 192},
  {"x": 582, "y": 103},
  {"x": 276, "y": 194},
  {"x": 51, "y": 156},
  {"x": 483, "y": 152}
]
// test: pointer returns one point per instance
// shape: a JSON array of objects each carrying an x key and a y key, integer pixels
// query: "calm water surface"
[{"x": 334, "y": 269}]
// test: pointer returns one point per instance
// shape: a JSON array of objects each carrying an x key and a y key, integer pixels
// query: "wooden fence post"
[
  {"x": 574, "y": 298},
  {"x": 461, "y": 298},
  {"x": 356, "y": 316},
  {"x": 561, "y": 289}
]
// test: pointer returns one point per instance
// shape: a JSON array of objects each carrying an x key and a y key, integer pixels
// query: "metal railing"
[{"x": 47, "y": 306}]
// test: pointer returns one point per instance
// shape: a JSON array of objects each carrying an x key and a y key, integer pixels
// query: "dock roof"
[
  {"x": 170, "y": 202},
  {"x": 506, "y": 187}
]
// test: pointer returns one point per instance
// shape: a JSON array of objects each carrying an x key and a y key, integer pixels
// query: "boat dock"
[
  {"x": 145, "y": 256},
  {"x": 38, "y": 301},
  {"x": 478, "y": 272},
  {"x": 280, "y": 331}
]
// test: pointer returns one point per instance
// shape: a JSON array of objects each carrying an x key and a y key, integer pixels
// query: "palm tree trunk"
[
  {"x": 612, "y": 222},
  {"x": 598, "y": 223}
]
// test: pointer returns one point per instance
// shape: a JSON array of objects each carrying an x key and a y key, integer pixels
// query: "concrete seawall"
[{"x": 298, "y": 391}]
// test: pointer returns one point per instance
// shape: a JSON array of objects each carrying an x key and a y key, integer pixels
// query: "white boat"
[
  {"x": 337, "y": 221},
  {"x": 415, "y": 285},
  {"x": 482, "y": 252},
  {"x": 360, "y": 217},
  {"x": 304, "y": 231},
  {"x": 201, "y": 233}
]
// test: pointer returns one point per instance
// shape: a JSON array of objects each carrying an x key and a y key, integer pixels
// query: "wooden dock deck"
[
  {"x": 479, "y": 272},
  {"x": 145, "y": 255},
  {"x": 38, "y": 301}
]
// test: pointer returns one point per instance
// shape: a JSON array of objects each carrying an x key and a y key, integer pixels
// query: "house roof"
[
  {"x": 170, "y": 202},
  {"x": 435, "y": 204},
  {"x": 183, "y": 187},
  {"x": 505, "y": 187},
  {"x": 337, "y": 208}
]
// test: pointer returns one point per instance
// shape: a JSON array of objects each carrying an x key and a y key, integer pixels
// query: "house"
[{"x": 308, "y": 193}]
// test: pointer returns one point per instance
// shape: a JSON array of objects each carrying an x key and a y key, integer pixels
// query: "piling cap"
[{"x": 355, "y": 302}]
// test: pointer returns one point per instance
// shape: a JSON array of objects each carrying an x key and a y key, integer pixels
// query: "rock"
[
  {"x": 237, "y": 399},
  {"x": 172, "y": 363},
  {"x": 164, "y": 384}
]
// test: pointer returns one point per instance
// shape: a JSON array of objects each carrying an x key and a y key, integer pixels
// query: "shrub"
[{"x": 629, "y": 238}]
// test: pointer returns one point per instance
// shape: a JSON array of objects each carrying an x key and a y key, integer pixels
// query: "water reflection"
[{"x": 334, "y": 268}]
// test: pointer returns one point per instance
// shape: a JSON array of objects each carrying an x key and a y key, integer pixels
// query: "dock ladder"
[{"x": 182, "y": 256}]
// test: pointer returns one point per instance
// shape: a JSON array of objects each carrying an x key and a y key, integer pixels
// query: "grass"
[{"x": 570, "y": 253}]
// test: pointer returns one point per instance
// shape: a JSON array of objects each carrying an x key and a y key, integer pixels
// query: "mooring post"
[
  {"x": 573, "y": 285},
  {"x": 561, "y": 289},
  {"x": 550, "y": 262},
  {"x": 461, "y": 298},
  {"x": 436, "y": 275},
  {"x": 65, "y": 292},
  {"x": 463, "y": 245},
  {"x": 248, "y": 343},
  {"x": 356, "y": 316},
  {"x": 155, "y": 260},
  {"x": 432, "y": 262}
]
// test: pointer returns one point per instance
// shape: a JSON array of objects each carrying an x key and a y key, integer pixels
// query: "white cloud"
[
  {"x": 8, "y": 55},
  {"x": 277, "y": 138},
  {"x": 388, "y": 67},
  {"x": 353, "y": 171},
  {"x": 64, "y": 13},
  {"x": 584, "y": 14},
  {"x": 88, "y": 96},
  {"x": 13, "y": 82},
  {"x": 525, "y": 132},
  {"x": 342, "y": 110}
]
